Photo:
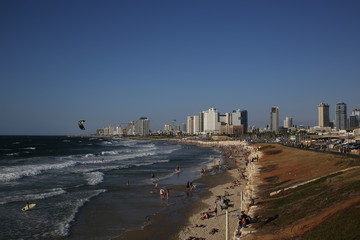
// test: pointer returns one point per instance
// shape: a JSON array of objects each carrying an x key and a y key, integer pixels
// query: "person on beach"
[
  {"x": 205, "y": 215},
  {"x": 188, "y": 185},
  {"x": 167, "y": 193},
  {"x": 215, "y": 209},
  {"x": 162, "y": 194}
]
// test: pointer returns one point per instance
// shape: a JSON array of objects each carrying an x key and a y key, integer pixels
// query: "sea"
[{"x": 90, "y": 187}]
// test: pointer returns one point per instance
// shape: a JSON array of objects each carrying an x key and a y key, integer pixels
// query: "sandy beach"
[
  {"x": 241, "y": 161},
  {"x": 271, "y": 181},
  {"x": 237, "y": 170}
]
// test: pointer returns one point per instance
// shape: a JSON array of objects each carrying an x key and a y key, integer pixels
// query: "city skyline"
[{"x": 115, "y": 61}]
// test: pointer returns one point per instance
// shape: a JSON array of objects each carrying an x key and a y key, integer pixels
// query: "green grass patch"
[{"x": 341, "y": 226}]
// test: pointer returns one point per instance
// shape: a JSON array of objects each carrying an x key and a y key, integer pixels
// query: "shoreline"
[
  {"x": 239, "y": 188},
  {"x": 179, "y": 222}
]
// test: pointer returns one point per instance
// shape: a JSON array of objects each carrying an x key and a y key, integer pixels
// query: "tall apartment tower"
[
  {"x": 340, "y": 116},
  {"x": 240, "y": 117},
  {"x": 142, "y": 126},
  {"x": 274, "y": 117},
  {"x": 196, "y": 127},
  {"x": 288, "y": 122},
  {"x": 323, "y": 115},
  {"x": 211, "y": 121},
  {"x": 356, "y": 113},
  {"x": 190, "y": 125}
]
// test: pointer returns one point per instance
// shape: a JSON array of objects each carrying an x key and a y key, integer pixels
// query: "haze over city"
[{"x": 115, "y": 61}]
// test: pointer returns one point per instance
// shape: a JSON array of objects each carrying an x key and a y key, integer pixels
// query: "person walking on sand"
[{"x": 215, "y": 209}]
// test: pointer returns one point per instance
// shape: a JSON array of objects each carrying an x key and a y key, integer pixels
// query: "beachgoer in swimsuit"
[{"x": 162, "y": 194}]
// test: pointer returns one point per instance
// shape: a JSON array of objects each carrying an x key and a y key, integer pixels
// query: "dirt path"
[{"x": 312, "y": 180}]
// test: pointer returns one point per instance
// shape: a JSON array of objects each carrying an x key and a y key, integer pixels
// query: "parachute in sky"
[{"x": 81, "y": 124}]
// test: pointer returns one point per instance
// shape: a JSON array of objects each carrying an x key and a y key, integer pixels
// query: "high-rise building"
[
  {"x": 190, "y": 125},
  {"x": 323, "y": 115},
  {"x": 211, "y": 121},
  {"x": 167, "y": 128},
  {"x": 340, "y": 116},
  {"x": 240, "y": 117},
  {"x": 201, "y": 121},
  {"x": 142, "y": 126},
  {"x": 274, "y": 118},
  {"x": 196, "y": 124},
  {"x": 353, "y": 122},
  {"x": 356, "y": 113},
  {"x": 288, "y": 122}
]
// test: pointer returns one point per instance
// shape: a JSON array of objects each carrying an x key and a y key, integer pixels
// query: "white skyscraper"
[
  {"x": 142, "y": 126},
  {"x": 190, "y": 125},
  {"x": 196, "y": 124},
  {"x": 211, "y": 121},
  {"x": 274, "y": 117},
  {"x": 288, "y": 122}
]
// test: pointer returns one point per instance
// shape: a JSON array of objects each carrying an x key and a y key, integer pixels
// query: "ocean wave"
[
  {"x": 13, "y": 173},
  {"x": 12, "y": 154},
  {"x": 30, "y": 148},
  {"x": 151, "y": 145},
  {"x": 110, "y": 153},
  {"x": 23, "y": 196},
  {"x": 94, "y": 178},
  {"x": 64, "y": 226}
]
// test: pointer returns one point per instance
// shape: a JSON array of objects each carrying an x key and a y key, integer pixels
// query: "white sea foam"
[
  {"x": 16, "y": 172},
  {"x": 64, "y": 226},
  {"x": 24, "y": 196},
  {"x": 30, "y": 148},
  {"x": 94, "y": 178},
  {"x": 12, "y": 154}
]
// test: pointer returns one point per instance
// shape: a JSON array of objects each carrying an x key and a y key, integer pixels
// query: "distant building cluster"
[
  {"x": 342, "y": 122},
  {"x": 235, "y": 123},
  {"x": 141, "y": 127},
  {"x": 211, "y": 122}
]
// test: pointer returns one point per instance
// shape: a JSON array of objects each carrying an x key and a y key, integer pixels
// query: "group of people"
[
  {"x": 245, "y": 219},
  {"x": 163, "y": 193}
]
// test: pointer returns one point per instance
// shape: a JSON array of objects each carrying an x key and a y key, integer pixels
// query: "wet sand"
[{"x": 177, "y": 221}]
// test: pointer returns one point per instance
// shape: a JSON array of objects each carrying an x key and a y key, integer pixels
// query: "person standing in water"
[{"x": 162, "y": 194}]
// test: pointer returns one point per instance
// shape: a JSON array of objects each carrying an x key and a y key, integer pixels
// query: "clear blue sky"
[{"x": 111, "y": 62}]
